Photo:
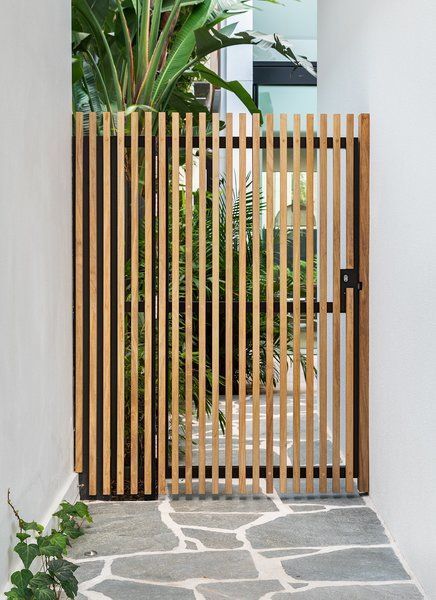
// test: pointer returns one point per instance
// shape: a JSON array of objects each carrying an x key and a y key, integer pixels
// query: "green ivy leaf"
[
  {"x": 21, "y": 578},
  {"x": 82, "y": 510},
  {"x": 27, "y": 553},
  {"x": 59, "y": 539},
  {"x": 62, "y": 570},
  {"x": 14, "y": 594},
  {"x": 31, "y": 526},
  {"x": 70, "y": 587},
  {"x": 44, "y": 594},
  {"x": 48, "y": 548},
  {"x": 41, "y": 580},
  {"x": 23, "y": 536}
]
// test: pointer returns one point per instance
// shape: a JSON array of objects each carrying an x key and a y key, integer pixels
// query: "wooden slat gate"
[{"x": 221, "y": 327}]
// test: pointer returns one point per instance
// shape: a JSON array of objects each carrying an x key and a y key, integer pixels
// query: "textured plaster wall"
[
  {"x": 36, "y": 445},
  {"x": 378, "y": 57}
]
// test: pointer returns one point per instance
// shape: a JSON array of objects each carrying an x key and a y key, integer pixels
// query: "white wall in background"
[
  {"x": 237, "y": 65},
  {"x": 36, "y": 459},
  {"x": 379, "y": 57},
  {"x": 292, "y": 20}
]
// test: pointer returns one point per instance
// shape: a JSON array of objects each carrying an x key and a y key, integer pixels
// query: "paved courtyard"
[{"x": 268, "y": 547}]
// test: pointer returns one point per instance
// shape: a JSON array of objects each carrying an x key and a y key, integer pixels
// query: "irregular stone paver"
[
  {"x": 124, "y": 527},
  {"x": 356, "y": 592},
  {"x": 228, "y": 564},
  {"x": 89, "y": 570},
  {"x": 128, "y": 590},
  {"x": 241, "y": 590},
  {"x": 213, "y": 539},
  {"x": 234, "y": 503},
  {"x": 334, "y": 528},
  {"x": 225, "y": 521},
  {"x": 354, "y": 564}
]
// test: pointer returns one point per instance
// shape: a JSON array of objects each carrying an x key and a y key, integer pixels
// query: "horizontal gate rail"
[{"x": 221, "y": 325}]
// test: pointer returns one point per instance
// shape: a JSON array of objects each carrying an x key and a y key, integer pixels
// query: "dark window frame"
[{"x": 280, "y": 73}]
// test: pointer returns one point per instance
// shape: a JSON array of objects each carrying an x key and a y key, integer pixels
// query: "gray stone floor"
[{"x": 243, "y": 548}]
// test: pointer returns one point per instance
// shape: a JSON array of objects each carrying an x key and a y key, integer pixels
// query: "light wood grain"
[
  {"x": 78, "y": 304},
  {"x": 297, "y": 310},
  {"x": 256, "y": 302},
  {"x": 106, "y": 305},
  {"x": 215, "y": 302},
  {"x": 269, "y": 300},
  {"x": 364, "y": 215},
  {"x": 92, "y": 304},
  {"x": 242, "y": 293},
  {"x": 148, "y": 305},
  {"x": 349, "y": 350},
  {"x": 336, "y": 353},
  {"x": 322, "y": 359},
  {"x": 283, "y": 302},
  {"x": 162, "y": 315},
  {"x": 202, "y": 308},
  {"x": 229, "y": 302},
  {"x": 134, "y": 291},
  {"x": 175, "y": 320},
  {"x": 309, "y": 303},
  {"x": 188, "y": 300},
  {"x": 120, "y": 300}
]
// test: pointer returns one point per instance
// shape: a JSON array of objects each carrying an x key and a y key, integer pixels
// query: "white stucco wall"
[
  {"x": 379, "y": 57},
  {"x": 36, "y": 452}
]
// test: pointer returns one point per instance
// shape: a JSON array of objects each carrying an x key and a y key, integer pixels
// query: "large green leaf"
[
  {"x": 27, "y": 553},
  {"x": 89, "y": 17},
  {"x": 41, "y": 580},
  {"x": 77, "y": 68},
  {"x": 21, "y": 578},
  {"x": 146, "y": 88},
  {"x": 183, "y": 47},
  {"x": 44, "y": 594},
  {"x": 232, "y": 86},
  {"x": 211, "y": 40}
]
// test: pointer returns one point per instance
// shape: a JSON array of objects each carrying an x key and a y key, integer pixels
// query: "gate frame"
[{"x": 358, "y": 278}]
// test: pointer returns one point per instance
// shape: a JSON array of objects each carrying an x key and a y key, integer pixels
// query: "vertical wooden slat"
[
  {"x": 242, "y": 293},
  {"x": 148, "y": 316},
  {"x": 78, "y": 307},
  {"x": 92, "y": 304},
  {"x": 188, "y": 315},
  {"x": 322, "y": 346},
  {"x": 256, "y": 303},
  {"x": 283, "y": 302},
  {"x": 175, "y": 342},
  {"x": 349, "y": 357},
  {"x": 364, "y": 212},
  {"x": 336, "y": 484},
  {"x": 162, "y": 401},
  {"x": 309, "y": 304},
  {"x": 120, "y": 300},
  {"x": 269, "y": 300},
  {"x": 202, "y": 308},
  {"x": 229, "y": 302},
  {"x": 162, "y": 442},
  {"x": 106, "y": 304},
  {"x": 296, "y": 299},
  {"x": 215, "y": 302},
  {"x": 134, "y": 293}
]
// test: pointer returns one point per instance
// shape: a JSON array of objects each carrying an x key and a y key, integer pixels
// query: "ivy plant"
[{"x": 46, "y": 574}]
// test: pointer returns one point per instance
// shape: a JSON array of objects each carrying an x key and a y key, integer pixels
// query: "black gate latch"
[{"x": 349, "y": 279}]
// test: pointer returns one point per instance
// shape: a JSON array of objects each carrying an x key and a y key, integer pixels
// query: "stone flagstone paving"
[{"x": 265, "y": 548}]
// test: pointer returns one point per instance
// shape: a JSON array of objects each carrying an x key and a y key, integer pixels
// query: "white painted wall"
[
  {"x": 36, "y": 459},
  {"x": 379, "y": 56}
]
